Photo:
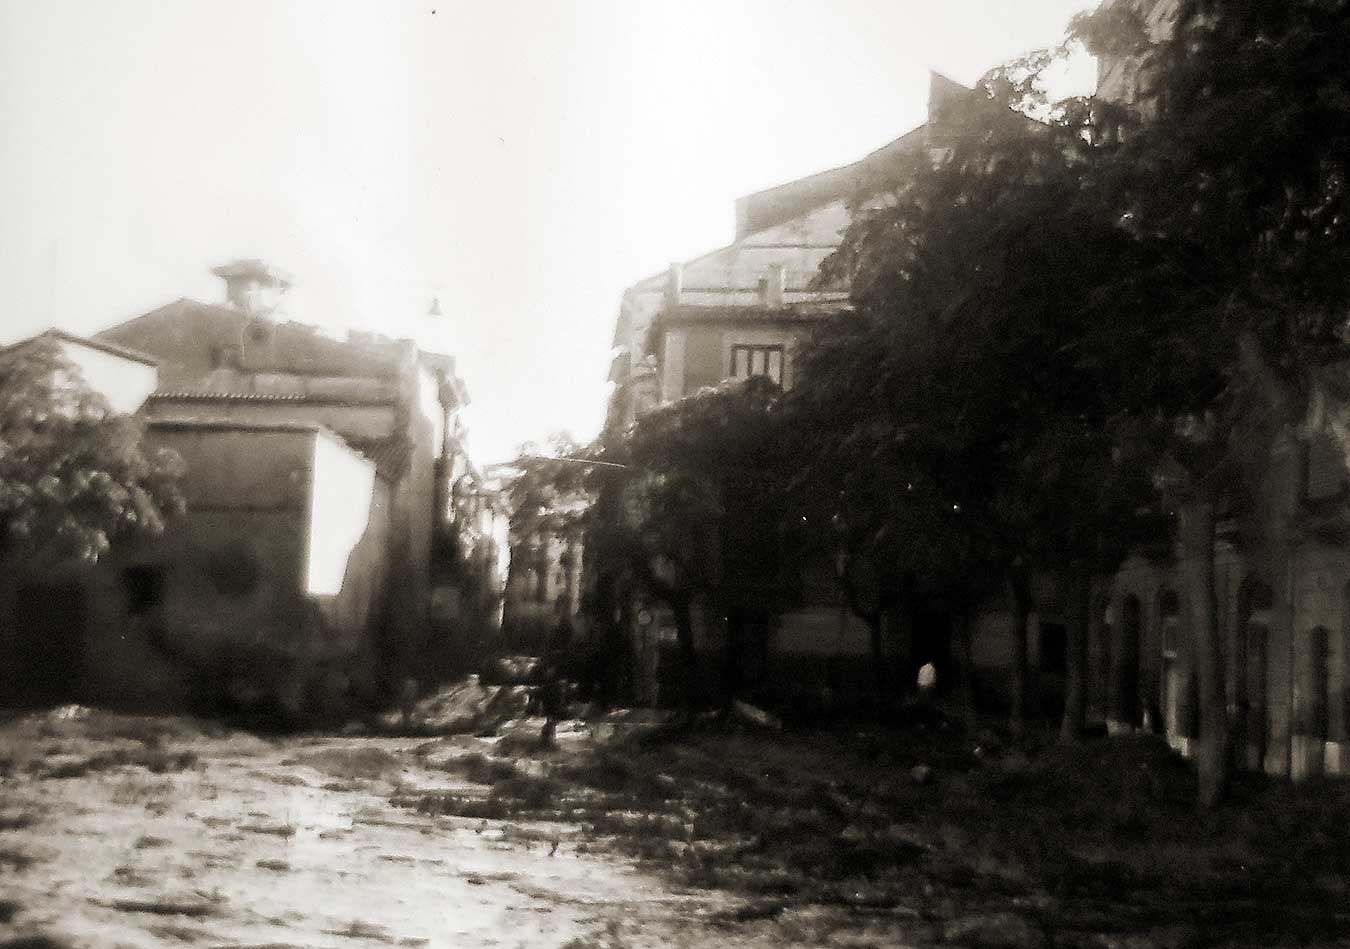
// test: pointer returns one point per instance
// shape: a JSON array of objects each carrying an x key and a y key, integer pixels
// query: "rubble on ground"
[{"x": 465, "y": 707}]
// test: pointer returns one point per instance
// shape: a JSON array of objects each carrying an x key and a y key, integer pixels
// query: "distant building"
[
  {"x": 545, "y": 581},
  {"x": 320, "y": 475}
]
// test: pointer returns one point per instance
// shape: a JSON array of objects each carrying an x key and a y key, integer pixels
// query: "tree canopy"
[
  {"x": 1051, "y": 313},
  {"x": 694, "y": 509},
  {"x": 74, "y": 475}
]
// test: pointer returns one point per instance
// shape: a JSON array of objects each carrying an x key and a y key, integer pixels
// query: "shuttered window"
[{"x": 747, "y": 361}]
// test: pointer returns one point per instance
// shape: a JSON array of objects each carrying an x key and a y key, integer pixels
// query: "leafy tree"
[
  {"x": 550, "y": 503},
  {"x": 550, "y": 493},
  {"x": 1231, "y": 180},
  {"x": 691, "y": 514},
  {"x": 1048, "y": 311},
  {"x": 972, "y": 378},
  {"x": 74, "y": 476}
]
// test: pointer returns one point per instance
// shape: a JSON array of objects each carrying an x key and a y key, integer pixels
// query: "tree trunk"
[
  {"x": 732, "y": 680},
  {"x": 1212, "y": 756},
  {"x": 1017, "y": 688},
  {"x": 692, "y": 693},
  {"x": 1075, "y": 685},
  {"x": 902, "y": 642},
  {"x": 874, "y": 631},
  {"x": 965, "y": 660}
]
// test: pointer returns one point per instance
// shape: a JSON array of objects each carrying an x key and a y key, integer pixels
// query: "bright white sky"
[{"x": 522, "y": 160}]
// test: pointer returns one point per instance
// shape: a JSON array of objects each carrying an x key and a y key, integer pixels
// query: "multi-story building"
[{"x": 744, "y": 310}]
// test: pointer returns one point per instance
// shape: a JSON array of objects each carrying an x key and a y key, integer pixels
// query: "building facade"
[
  {"x": 1282, "y": 571},
  {"x": 744, "y": 310},
  {"x": 319, "y": 485}
]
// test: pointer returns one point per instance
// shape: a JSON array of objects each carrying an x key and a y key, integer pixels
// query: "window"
[{"x": 747, "y": 361}]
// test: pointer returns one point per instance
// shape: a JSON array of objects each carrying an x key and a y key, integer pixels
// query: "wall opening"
[
  {"x": 49, "y": 631},
  {"x": 1126, "y": 662},
  {"x": 1179, "y": 707},
  {"x": 1319, "y": 648},
  {"x": 1053, "y": 668},
  {"x": 1251, "y": 670},
  {"x": 143, "y": 585}
]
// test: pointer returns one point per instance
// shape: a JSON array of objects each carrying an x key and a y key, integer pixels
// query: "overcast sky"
[{"x": 521, "y": 160}]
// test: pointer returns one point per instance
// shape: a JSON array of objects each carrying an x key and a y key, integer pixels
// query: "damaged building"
[{"x": 319, "y": 490}]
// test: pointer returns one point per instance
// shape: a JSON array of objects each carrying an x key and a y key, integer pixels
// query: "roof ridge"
[{"x": 207, "y": 395}]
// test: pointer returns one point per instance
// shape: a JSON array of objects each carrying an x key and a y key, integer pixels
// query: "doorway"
[
  {"x": 48, "y": 643},
  {"x": 1126, "y": 662}
]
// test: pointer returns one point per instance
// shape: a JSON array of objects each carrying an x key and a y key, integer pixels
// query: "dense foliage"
[
  {"x": 691, "y": 509},
  {"x": 1053, "y": 318},
  {"x": 74, "y": 475}
]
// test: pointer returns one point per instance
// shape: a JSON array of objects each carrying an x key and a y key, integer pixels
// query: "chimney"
[
  {"x": 773, "y": 288},
  {"x": 253, "y": 286},
  {"x": 674, "y": 284}
]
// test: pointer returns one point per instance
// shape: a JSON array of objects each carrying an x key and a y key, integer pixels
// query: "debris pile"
[{"x": 464, "y": 707}]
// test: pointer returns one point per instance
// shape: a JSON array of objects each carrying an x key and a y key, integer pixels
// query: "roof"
[
  {"x": 113, "y": 349},
  {"x": 391, "y": 454},
  {"x": 205, "y": 395},
  {"x": 782, "y": 203},
  {"x": 951, "y": 105},
  {"x": 801, "y": 312},
  {"x": 231, "y": 425},
  {"x": 184, "y": 332}
]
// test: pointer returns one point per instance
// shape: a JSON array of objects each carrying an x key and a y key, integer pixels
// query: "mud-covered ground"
[
  {"x": 164, "y": 832},
  {"x": 138, "y": 832}
]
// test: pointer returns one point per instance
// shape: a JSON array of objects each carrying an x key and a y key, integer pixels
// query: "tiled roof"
[
  {"x": 201, "y": 395},
  {"x": 802, "y": 312},
  {"x": 229, "y": 425},
  {"x": 185, "y": 331}
]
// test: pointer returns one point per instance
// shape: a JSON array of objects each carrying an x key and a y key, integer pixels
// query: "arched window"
[
  {"x": 1127, "y": 661},
  {"x": 1316, "y": 717},
  {"x": 1180, "y": 708},
  {"x": 1169, "y": 621}
]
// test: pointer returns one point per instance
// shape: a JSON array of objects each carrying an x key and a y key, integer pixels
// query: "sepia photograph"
[{"x": 628, "y": 474}]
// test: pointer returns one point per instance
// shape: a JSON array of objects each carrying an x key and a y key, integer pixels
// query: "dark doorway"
[
  {"x": 1178, "y": 671},
  {"x": 1257, "y": 645},
  {"x": 1106, "y": 638},
  {"x": 1318, "y": 698},
  {"x": 144, "y": 588},
  {"x": 747, "y": 651},
  {"x": 1126, "y": 661},
  {"x": 1053, "y": 668},
  {"x": 49, "y": 629},
  {"x": 1250, "y": 671}
]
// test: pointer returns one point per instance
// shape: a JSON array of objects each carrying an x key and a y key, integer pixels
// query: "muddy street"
[{"x": 159, "y": 832}]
